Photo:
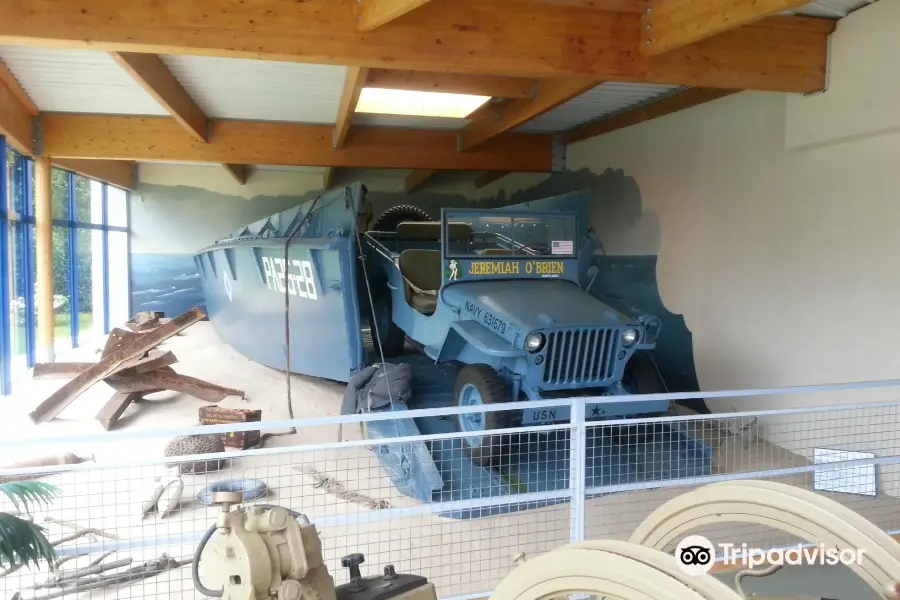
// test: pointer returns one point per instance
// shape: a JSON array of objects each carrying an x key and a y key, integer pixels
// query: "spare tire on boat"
[{"x": 389, "y": 219}]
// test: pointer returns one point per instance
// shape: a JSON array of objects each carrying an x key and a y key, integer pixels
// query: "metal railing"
[{"x": 564, "y": 482}]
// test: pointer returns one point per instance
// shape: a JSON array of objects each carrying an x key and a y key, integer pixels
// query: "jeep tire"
[{"x": 493, "y": 390}]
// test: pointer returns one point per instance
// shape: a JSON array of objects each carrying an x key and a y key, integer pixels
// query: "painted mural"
[{"x": 165, "y": 278}]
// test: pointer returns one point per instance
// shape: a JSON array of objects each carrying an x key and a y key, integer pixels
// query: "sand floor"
[{"x": 459, "y": 556}]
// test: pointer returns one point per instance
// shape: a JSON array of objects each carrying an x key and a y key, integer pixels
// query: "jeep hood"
[{"x": 530, "y": 304}]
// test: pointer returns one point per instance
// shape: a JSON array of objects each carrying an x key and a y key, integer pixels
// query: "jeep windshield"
[{"x": 514, "y": 234}]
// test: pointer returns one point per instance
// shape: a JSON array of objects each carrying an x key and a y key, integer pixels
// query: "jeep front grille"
[{"x": 579, "y": 356}]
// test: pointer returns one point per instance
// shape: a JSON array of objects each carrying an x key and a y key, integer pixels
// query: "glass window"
[
  {"x": 59, "y": 185},
  {"x": 117, "y": 206},
  {"x": 84, "y": 212},
  {"x": 501, "y": 235},
  {"x": 89, "y": 271},
  {"x": 119, "y": 299},
  {"x": 62, "y": 298},
  {"x": 21, "y": 296}
]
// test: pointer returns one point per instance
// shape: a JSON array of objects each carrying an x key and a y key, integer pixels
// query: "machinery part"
[
  {"x": 187, "y": 445},
  {"x": 608, "y": 569},
  {"x": 267, "y": 552},
  {"x": 389, "y": 219},
  {"x": 389, "y": 585},
  {"x": 476, "y": 385},
  {"x": 787, "y": 508}
]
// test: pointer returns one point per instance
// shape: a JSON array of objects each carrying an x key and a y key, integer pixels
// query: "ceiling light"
[{"x": 419, "y": 104}]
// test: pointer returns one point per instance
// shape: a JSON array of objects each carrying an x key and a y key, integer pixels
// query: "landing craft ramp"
[
  {"x": 304, "y": 264},
  {"x": 438, "y": 471}
]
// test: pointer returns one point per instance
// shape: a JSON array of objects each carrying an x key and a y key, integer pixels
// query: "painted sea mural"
[{"x": 165, "y": 282}]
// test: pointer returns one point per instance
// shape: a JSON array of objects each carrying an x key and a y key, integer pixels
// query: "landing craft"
[{"x": 495, "y": 304}]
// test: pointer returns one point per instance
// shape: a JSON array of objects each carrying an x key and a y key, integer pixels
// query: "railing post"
[{"x": 577, "y": 468}]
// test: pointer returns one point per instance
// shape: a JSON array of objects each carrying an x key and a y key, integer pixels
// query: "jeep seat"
[{"x": 421, "y": 270}]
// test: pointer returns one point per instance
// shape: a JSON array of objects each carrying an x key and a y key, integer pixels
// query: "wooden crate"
[{"x": 216, "y": 415}]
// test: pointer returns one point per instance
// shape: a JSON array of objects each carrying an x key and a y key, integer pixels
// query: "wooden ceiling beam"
[
  {"x": 452, "y": 83},
  {"x": 122, "y": 173},
  {"x": 272, "y": 143},
  {"x": 17, "y": 112},
  {"x": 509, "y": 114},
  {"x": 518, "y": 39},
  {"x": 375, "y": 13},
  {"x": 417, "y": 179},
  {"x": 647, "y": 112},
  {"x": 489, "y": 177},
  {"x": 672, "y": 24},
  {"x": 622, "y": 6},
  {"x": 149, "y": 71},
  {"x": 239, "y": 172},
  {"x": 353, "y": 85},
  {"x": 152, "y": 74}
]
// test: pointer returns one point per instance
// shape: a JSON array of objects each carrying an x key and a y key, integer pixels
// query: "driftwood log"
[{"x": 132, "y": 366}]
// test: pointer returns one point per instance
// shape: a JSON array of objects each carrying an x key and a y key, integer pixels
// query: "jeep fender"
[{"x": 470, "y": 342}]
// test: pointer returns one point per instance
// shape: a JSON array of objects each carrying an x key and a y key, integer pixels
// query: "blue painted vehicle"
[
  {"x": 487, "y": 305},
  {"x": 500, "y": 290}
]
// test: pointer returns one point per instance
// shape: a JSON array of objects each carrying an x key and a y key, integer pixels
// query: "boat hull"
[{"x": 251, "y": 282}]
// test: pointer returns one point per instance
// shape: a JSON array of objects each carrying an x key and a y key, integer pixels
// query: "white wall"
[{"x": 782, "y": 261}]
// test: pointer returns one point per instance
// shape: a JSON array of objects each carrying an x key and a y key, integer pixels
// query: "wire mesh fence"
[{"x": 455, "y": 520}]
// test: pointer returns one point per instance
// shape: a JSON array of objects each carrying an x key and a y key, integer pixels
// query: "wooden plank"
[
  {"x": 269, "y": 143},
  {"x": 121, "y": 173},
  {"x": 417, "y": 179},
  {"x": 520, "y": 39},
  {"x": 663, "y": 106},
  {"x": 620, "y": 6},
  {"x": 57, "y": 401},
  {"x": 353, "y": 85},
  {"x": 15, "y": 117},
  {"x": 239, "y": 172},
  {"x": 375, "y": 13},
  {"x": 452, "y": 83},
  {"x": 510, "y": 114},
  {"x": 488, "y": 178},
  {"x": 114, "y": 407},
  {"x": 676, "y": 23},
  {"x": 149, "y": 71}
]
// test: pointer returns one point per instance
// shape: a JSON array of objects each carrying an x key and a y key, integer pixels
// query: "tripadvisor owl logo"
[{"x": 696, "y": 555}]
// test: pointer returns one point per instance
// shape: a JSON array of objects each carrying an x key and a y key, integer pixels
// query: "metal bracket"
[
  {"x": 558, "y": 163},
  {"x": 37, "y": 135}
]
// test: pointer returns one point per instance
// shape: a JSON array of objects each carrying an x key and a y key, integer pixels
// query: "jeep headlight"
[
  {"x": 629, "y": 337},
  {"x": 534, "y": 342}
]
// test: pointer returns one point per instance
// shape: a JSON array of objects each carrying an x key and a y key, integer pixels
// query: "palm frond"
[
  {"x": 24, "y": 494},
  {"x": 23, "y": 542}
]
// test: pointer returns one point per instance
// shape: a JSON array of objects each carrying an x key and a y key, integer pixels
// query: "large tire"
[
  {"x": 646, "y": 378},
  {"x": 480, "y": 384},
  {"x": 389, "y": 219}
]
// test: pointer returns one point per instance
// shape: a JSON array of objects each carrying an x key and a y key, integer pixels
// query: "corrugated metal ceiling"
[
  {"x": 603, "y": 100},
  {"x": 260, "y": 90},
  {"x": 85, "y": 81}
]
